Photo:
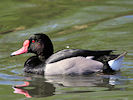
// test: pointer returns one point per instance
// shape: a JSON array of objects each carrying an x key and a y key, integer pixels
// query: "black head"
[{"x": 39, "y": 44}]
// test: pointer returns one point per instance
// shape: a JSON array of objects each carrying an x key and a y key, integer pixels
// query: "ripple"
[
  {"x": 9, "y": 67},
  {"x": 10, "y": 77},
  {"x": 11, "y": 82},
  {"x": 113, "y": 23},
  {"x": 125, "y": 2},
  {"x": 107, "y": 9},
  {"x": 129, "y": 16},
  {"x": 17, "y": 71}
]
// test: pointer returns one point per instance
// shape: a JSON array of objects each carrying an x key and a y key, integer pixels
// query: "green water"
[{"x": 84, "y": 24}]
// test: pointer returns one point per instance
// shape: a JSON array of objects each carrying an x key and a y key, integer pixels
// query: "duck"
[{"x": 66, "y": 61}]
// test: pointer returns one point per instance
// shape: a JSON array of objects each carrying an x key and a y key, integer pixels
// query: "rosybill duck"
[{"x": 67, "y": 61}]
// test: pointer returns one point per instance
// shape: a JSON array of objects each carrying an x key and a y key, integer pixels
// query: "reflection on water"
[
  {"x": 43, "y": 87},
  {"x": 36, "y": 87}
]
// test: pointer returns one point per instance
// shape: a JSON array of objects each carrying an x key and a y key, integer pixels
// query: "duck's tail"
[{"x": 116, "y": 63}]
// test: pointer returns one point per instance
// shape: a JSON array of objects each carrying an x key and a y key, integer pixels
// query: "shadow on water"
[{"x": 39, "y": 86}]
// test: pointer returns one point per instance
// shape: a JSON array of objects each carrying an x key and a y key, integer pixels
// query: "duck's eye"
[{"x": 33, "y": 41}]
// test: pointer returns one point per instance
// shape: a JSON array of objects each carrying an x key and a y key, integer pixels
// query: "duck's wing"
[{"x": 68, "y": 53}]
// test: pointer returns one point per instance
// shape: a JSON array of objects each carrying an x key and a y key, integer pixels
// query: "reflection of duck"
[
  {"x": 39, "y": 87},
  {"x": 70, "y": 61},
  {"x": 92, "y": 80},
  {"x": 35, "y": 88},
  {"x": 17, "y": 89}
]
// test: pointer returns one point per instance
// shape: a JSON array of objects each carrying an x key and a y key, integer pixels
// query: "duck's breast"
[{"x": 74, "y": 65}]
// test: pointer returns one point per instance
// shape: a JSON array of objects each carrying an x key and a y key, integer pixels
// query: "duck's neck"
[
  {"x": 36, "y": 64},
  {"x": 44, "y": 56}
]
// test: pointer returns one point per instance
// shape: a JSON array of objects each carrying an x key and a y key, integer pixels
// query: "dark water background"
[{"x": 84, "y": 24}]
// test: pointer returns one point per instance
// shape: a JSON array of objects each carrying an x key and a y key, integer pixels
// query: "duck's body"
[
  {"x": 68, "y": 61},
  {"x": 74, "y": 66}
]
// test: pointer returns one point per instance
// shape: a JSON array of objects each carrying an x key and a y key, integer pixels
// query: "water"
[{"x": 84, "y": 24}]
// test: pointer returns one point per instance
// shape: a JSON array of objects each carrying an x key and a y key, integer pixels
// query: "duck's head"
[{"x": 39, "y": 44}]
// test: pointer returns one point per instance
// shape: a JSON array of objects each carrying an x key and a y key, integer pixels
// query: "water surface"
[{"x": 81, "y": 24}]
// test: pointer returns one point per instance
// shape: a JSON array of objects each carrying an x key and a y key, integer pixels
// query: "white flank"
[{"x": 116, "y": 64}]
